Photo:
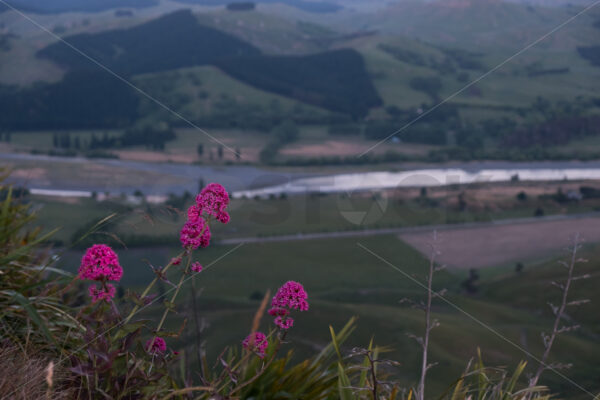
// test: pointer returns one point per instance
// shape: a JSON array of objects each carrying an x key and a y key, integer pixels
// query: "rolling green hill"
[
  {"x": 380, "y": 67},
  {"x": 272, "y": 34},
  {"x": 334, "y": 80},
  {"x": 478, "y": 25},
  {"x": 214, "y": 99}
]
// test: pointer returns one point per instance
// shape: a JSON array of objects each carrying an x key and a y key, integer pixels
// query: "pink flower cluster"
[
  {"x": 290, "y": 296},
  {"x": 257, "y": 343},
  {"x": 195, "y": 233},
  {"x": 196, "y": 267},
  {"x": 211, "y": 201},
  {"x": 156, "y": 345},
  {"x": 101, "y": 263}
]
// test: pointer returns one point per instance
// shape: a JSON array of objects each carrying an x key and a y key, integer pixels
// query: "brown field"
[
  {"x": 496, "y": 245},
  {"x": 345, "y": 148},
  {"x": 41, "y": 173},
  {"x": 154, "y": 156}
]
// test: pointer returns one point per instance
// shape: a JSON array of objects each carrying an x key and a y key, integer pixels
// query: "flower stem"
[
  {"x": 179, "y": 285},
  {"x": 148, "y": 288}
]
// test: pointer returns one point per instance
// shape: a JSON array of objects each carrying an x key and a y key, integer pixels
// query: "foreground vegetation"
[{"x": 53, "y": 320}]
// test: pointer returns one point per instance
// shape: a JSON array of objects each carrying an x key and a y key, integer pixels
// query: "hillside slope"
[
  {"x": 173, "y": 41},
  {"x": 478, "y": 24}
]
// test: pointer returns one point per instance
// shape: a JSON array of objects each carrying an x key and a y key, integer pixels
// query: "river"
[{"x": 122, "y": 176}]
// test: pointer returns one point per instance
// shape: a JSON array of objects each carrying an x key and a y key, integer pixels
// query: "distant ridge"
[
  {"x": 308, "y": 6},
  {"x": 173, "y": 41},
  {"x": 60, "y": 6}
]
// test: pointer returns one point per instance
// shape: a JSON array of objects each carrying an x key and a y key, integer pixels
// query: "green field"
[{"x": 309, "y": 213}]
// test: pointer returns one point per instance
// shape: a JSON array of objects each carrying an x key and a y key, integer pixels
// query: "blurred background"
[{"x": 333, "y": 124}]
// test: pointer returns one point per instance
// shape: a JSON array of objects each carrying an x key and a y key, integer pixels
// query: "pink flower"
[
  {"x": 213, "y": 200},
  {"x": 290, "y": 296},
  {"x": 156, "y": 345},
  {"x": 99, "y": 263},
  {"x": 194, "y": 213},
  {"x": 256, "y": 342},
  {"x": 102, "y": 293},
  {"x": 223, "y": 217},
  {"x": 195, "y": 234},
  {"x": 284, "y": 323},
  {"x": 196, "y": 267},
  {"x": 176, "y": 260},
  {"x": 278, "y": 311}
]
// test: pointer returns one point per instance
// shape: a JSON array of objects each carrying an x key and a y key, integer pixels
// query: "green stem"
[
  {"x": 181, "y": 280},
  {"x": 179, "y": 285},
  {"x": 148, "y": 288},
  {"x": 263, "y": 369}
]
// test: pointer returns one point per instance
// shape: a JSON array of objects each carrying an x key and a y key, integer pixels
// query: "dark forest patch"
[
  {"x": 83, "y": 99},
  {"x": 335, "y": 80}
]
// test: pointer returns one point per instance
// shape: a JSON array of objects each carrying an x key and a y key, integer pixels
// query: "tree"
[
  {"x": 519, "y": 267},
  {"x": 65, "y": 141},
  {"x": 94, "y": 142},
  {"x": 469, "y": 284}
]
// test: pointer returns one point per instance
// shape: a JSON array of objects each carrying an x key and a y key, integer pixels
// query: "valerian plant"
[{"x": 117, "y": 363}]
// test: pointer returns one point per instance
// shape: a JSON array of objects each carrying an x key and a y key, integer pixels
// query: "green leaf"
[
  {"x": 344, "y": 384},
  {"x": 35, "y": 317},
  {"x": 335, "y": 343}
]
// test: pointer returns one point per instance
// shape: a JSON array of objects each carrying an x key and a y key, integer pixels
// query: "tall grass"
[{"x": 32, "y": 307}]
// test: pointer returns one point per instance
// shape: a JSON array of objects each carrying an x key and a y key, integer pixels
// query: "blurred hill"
[{"x": 362, "y": 71}]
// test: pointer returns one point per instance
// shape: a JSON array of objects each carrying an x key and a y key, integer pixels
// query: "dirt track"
[{"x": 477, "y": 247}]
